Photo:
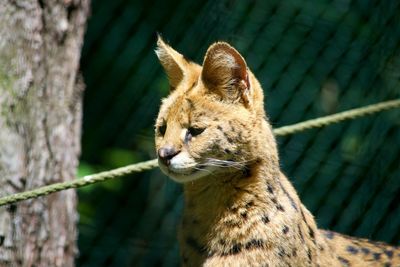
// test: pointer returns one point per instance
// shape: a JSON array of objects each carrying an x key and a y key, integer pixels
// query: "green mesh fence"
[{"x": 313, "y": 58}]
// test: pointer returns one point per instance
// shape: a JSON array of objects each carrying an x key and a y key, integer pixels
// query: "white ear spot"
[{"x": 226, "y": 60}]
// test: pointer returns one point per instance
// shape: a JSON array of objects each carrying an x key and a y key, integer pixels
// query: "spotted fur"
[{"x": 212, "y": 136}]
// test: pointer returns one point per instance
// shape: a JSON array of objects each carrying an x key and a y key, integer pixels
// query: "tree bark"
[{"x": 40, "y": 123}]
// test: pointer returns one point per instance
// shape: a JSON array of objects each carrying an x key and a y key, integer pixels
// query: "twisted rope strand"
[
  {"x": 150, "y": 164},
  {"x": 86, "y": 180},
  {"x": 337, "y": 117}
]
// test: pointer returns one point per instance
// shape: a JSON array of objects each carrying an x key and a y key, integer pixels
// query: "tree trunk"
[{"x": 40, "y": 122}]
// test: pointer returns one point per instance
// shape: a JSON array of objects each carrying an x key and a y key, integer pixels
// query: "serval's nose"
[{"x": 166, "y": 153}]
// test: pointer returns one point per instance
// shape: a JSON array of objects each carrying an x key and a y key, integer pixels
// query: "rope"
[
  {"x": 86, "y": 180},
  {"x": 336, "y": 118},
  {"x": 150, "y": 164}
]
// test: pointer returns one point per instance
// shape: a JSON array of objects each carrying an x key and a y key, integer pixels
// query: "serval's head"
[{"x": 213, "y": 120}]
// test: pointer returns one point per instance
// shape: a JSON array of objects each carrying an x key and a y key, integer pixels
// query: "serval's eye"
[
  {"x": 193, "y": 132},
  {"x": 161, "y": 129}
]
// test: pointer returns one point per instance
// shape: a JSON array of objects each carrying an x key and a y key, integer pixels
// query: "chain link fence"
[{"x": 313, "y": 58}]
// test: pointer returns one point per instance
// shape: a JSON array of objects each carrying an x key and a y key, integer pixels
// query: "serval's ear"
[
  {"x": 172, "y": 62},
  {"x": 225, "y": 73}
]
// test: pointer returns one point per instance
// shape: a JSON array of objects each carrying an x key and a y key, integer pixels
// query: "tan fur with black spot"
[{"x": 212, "y": 135}]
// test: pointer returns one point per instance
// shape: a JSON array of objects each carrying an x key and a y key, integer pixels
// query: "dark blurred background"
[{"x": 313, "y": 58}]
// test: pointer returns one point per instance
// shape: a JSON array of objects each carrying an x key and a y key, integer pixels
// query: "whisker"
[
  {"x": 205, "y": 170},
  {"x": 239, "y": 165}
]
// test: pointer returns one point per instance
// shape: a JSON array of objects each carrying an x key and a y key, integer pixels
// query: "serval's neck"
[
  {"x": 217, "y": 199},
  {"x": 250, "y": 212}
]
